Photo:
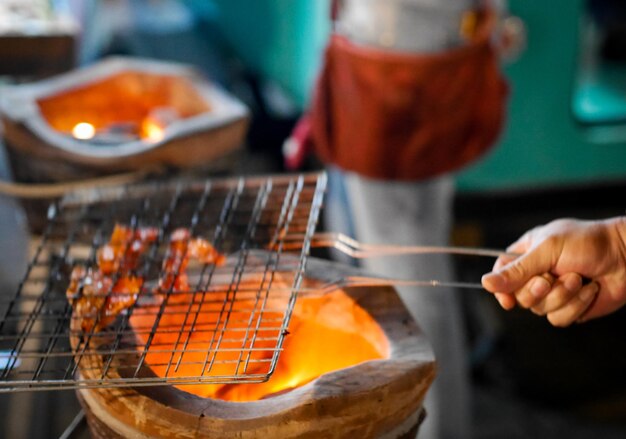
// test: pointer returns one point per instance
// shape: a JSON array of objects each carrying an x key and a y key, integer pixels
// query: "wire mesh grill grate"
[{"x": 185, "y": 321}]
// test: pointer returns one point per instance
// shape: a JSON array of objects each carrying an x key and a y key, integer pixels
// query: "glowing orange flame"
[
  {"x": 83, "y": 131},
  {"x": 326, "y": 334},
  {"x": 152, "y": 130}
]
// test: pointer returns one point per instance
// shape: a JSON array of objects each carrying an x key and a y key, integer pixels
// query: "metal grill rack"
[{"x": 231, "y": 321}]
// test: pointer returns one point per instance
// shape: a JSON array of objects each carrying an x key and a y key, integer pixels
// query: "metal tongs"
[{"x": 358, "y": 250}]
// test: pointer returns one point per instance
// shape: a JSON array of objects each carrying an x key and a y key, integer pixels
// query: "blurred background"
[{"x": 562, "y": 153}]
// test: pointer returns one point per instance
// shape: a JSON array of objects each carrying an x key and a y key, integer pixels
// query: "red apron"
[{"x": 405, "y": 116}]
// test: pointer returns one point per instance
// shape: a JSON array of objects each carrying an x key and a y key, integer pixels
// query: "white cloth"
[
  {"x": 419, "y": 213},
  {"x": 405, "y": 25}
]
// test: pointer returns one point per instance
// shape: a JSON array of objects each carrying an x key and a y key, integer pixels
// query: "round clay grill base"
[{"x": 374, "y": 399}]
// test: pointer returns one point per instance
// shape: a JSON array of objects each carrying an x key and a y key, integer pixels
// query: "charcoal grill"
[
  {"x": 232, "y": 316},
  {"x": 246, "y": 219}
]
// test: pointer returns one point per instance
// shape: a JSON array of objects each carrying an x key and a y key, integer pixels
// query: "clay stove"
[
  {"x": 117, "y": 115},
  {"x": 354, "y": 364}
]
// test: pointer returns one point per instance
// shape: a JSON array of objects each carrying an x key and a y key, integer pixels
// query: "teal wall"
[
  {"x": 542, "y": 144},
  {"x": 282, "y": 39}
]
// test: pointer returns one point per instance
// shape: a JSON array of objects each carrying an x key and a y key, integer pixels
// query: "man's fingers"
[
  {"x": 602, "y": 305},
  {"x": 535, "y": 290},
  {"x": 502, "y": 261},
  {"x": 506, "y": 301},
  {"x": 520, "y": 247},
  {"x": 576, "y": 307},
  {"x": 514, "y": 275},
  {"x": 566, "y": 288}
]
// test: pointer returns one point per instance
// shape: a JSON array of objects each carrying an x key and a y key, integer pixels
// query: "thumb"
[
  {"x": 515, "y": 274},
  {"x": 519, "y": 247}
]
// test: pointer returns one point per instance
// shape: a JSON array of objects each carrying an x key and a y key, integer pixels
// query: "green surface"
[
  {"x": 281, "y": 39},
  {"x": 600, "y": 97},
  {"x": 542, "y": 144}
]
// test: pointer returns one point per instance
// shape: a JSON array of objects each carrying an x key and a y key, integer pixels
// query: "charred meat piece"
[
  {"x": 98, "y": 295},
  {"x": 124, "y": 249},
  {"x": 183, "y": 248}
]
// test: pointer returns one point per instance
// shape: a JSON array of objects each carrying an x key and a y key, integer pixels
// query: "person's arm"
[{"x": 569, "y": 270}]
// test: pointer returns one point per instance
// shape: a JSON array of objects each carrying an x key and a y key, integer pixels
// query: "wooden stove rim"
[
  {"x": 19, "y": 107},
  {"x": 203, "y": 146},
  {"x": 411, "y": 361}
]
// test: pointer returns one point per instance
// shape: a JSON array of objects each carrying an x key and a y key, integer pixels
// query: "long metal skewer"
[
  {"x": 366, "y": 281},
  {"x": 356, "y": 249}
]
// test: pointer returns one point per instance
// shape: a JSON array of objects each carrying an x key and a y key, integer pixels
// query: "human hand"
[{"x": 556, "y": 259}]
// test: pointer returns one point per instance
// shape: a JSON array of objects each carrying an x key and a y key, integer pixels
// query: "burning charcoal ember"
[{"x": 153, "y": 126}]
